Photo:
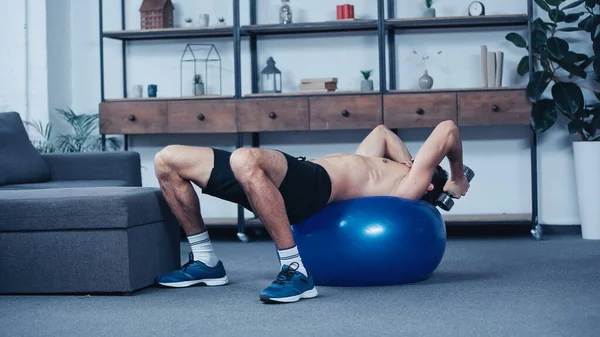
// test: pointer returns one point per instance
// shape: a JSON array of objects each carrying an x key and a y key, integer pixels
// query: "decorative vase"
[
  {"x": 366, "y": 85},
  {"x": 152, "y": 90},
  {"x": 203, "y": 20},
  {"x": 586, "y": 157},
  {"x": 199, "y": 89},
  {"x": 426, "y": 81},
  {"x": 429, "y": 13}
]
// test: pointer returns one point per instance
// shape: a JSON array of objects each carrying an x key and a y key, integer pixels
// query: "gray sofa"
[{"x": 78, "y": 223}]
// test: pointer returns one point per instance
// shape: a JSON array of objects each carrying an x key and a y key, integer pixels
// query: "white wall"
[
  {"x": 58, "y": 38},
  {"x": 499, "y": 155},
  {"x": 23, "y": 69}
]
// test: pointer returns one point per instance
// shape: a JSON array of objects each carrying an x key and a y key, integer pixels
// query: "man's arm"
[
  {"x": 382, "y": 142},
  {"x": 444, "y": 141}
]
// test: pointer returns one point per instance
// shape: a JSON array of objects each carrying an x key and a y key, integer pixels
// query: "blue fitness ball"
[{"x": 372, "y": 241}]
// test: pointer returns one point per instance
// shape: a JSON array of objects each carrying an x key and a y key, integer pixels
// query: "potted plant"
[
  {"x": 198, "y": 85},
  {"x": 366, "y": 84},
  {"x": 188, "y": 23},
  {"x": 556, "y": 86},
  {"x": 429, "y": 10},
  {"x": 221, "y": 21}
]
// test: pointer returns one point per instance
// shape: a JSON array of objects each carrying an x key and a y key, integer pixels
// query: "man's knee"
[
  {"x": 164, "y": 160},
  {"x": 244, "y": 161}
]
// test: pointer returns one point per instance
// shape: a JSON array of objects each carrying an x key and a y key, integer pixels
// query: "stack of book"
[
  {"x": 328, "y": 84},
  {"x": 492, "y": 67}
]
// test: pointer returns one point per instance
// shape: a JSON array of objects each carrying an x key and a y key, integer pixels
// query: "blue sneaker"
[
  {"x": 194, "y": 272},
  {"x": 290, "y": 286}
]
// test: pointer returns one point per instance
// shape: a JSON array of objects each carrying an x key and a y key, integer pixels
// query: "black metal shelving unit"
[{"x": 386, "y": 26}]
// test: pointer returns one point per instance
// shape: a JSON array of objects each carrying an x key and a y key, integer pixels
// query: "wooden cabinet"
[
  {"x": 198, "y": 116},
  {"x": 418, "y": 110},
  {"x": 133, "y": 117},
  {"x": 493, "y": 108},
  {"x": 272, "y": 114},
  {"x": 345, "y": 112}
]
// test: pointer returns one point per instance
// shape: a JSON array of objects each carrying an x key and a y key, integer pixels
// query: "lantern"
[{"x": 270, "y": 78}]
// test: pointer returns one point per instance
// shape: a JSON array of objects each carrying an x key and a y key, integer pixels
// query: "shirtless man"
[{"x": 283, "y": 190}]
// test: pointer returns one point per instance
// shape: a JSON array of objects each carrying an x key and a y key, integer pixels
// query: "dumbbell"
[{"x": 445, "y": 200}]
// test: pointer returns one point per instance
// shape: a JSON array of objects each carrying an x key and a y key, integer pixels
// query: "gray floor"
[{"x": 483, "y": 287}]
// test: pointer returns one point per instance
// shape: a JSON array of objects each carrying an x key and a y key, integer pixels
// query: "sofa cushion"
[
  {"x": 20, "y": 162},
  {"x": 80, "y": 208},
  {"x": 65, "y": 184}
]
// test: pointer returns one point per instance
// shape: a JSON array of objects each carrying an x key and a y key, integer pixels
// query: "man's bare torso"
[{"x": 354, "y": 176}]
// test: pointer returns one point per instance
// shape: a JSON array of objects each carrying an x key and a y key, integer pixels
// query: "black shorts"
[{"x": 306, "y": 188}]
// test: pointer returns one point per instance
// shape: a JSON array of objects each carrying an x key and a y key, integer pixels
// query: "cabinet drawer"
[
  {"x": 133, "y": 117},
  {"x": 345, "y": 112},
  {"x": 493, "y": 108},
  {"x": 272, "y": 114},
  {"x": 201, "y": 116},
  {"x": 419, "y": 110}
]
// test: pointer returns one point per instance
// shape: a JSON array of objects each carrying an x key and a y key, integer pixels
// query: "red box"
[{"x": 344, "y": 12}]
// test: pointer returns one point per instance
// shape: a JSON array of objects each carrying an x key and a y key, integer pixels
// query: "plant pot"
[
  {"x": 188, "y": 25},
  {"x": 366, "y": 85},
  {"x": 429, "y": 13},
  {"x": 426, "y": 81},
  {"x": 221, "y": 23},
  {"x": 587, "y": 165},
  {"x": 198, "y": 89}
]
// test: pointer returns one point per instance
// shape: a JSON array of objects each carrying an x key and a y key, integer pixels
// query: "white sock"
[
  {"x": 289, "y": 256},
  {"x": 202, "y": 249}
]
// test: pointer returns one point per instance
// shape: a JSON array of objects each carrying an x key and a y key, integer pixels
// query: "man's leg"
[
  {"x": 176, "y": 168},
  {"x": 261, "y": 172},
  {"x": 382, "y": 142}
]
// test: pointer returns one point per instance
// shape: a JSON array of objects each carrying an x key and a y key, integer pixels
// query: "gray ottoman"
[{"x": 85, "y": 240}]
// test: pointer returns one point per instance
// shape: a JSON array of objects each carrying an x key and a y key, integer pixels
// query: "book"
[
  {"x": 318, "y": 85},
  {"x": 491, "y": 69},
  {"x": 484, "y": 70},
  {"x": 499, "y": 68},
  {"x": 319, "y": 80}
]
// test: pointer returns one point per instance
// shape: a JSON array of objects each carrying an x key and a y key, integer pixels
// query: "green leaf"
[
  {"x": 539, "y": 24},
  {"x": 570, "y": 18},
  {"x": 574, "y": 4},
  {"x": 572, "y": 68},
  {"x": 539, "y": 38},
  {"x": 575, "y": 125},
  {"x": 597, "y": 68},
  {"x": 537, "y": 84},
  {"x": 517, "y": 40},
  {"x": 572, "y": 57},
  {"x": 543, "y": 5},
  {"x": 557, "y": 47},
  {"x": 568, "y": 97},
  {"x": 554, "y": 2},
  {"x": 590, "y": 23},
  {"x": 569, "y": 29},
  {"x": 557, "y": 15},
  {"x": 596, "y": 46},
  {"x": 590, "y": 3},
  {"x": 543, "y": 115},
  {"x": 523, "y": 67}
]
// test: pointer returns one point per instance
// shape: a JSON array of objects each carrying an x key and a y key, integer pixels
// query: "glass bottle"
[{"x": 285, "y": 12}]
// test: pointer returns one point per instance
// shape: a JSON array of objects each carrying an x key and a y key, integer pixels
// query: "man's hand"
[{"x": 457, "y": 188}]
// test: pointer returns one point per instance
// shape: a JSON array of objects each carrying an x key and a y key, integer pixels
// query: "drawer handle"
[
  {"x": 201, "y": 117},
  {"x": 345, "y": 113},
  {"x": 131, "y": 118},
  {"x": 495, "y": 108},
  {"x": 420, "y": 112},
  {"x": 272, "y": 115}
]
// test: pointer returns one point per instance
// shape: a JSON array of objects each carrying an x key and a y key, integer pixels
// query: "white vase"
[
  {"x": 587, "y": 168},
  {"x": 429, "y": 13},
  {"x": 203, "y": 20}
]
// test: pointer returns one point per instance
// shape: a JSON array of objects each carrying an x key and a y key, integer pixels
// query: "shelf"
[
  {"x": 169, "y": 33},
  {"x": 311, "y": 27},
  {"x": 444, "y": 90},
  {"x": 184, "y": 98},
  {"x": 492, "y": 219},
  {"x": 310, "y": 93},
  {"x": 459, "y": 22}
]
